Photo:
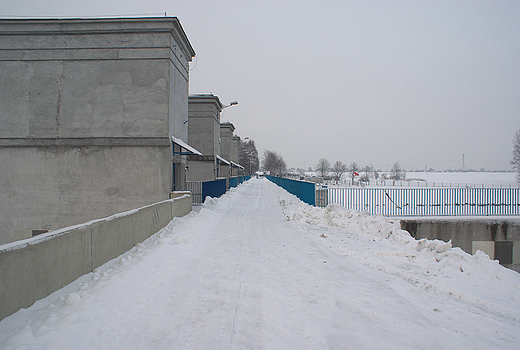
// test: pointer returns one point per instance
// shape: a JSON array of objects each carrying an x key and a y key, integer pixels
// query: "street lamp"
[{"x": 232, "y": 103}]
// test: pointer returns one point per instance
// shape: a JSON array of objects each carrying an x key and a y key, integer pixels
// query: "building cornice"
[
  {"x": 206, "y": 98},
  {"x": 81, "y": 26},
  {"x": 86, "y": 142}
]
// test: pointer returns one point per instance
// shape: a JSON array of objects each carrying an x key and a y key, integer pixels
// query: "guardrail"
[
  {"x": 428, "y": 201},
  {"x": 33, "y": 268},
  {"x": 304, "y": 190}
]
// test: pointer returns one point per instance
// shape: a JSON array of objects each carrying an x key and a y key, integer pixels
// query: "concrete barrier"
[
  {"x": 33, "y": 268},
  {"x": 498, "y": 238}
]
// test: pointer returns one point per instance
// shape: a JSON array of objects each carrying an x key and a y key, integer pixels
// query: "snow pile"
[{"x": 428, "y": 263}]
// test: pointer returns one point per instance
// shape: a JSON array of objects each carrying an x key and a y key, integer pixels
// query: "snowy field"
[
  {"x": 441, "y": 179},
  {"x": 259, "y": 269},
  {"x": 476, "y": 178}
]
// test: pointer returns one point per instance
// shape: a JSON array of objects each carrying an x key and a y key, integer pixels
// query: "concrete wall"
[
  {"x": 202, "y": 168},
  {"x": 470, "y": 235},
  {"x": 204, "y": 123},
  {"x": 226, "y": 146},
  {"x": 36, "y": 267},
  {"x": 53, "y": 187},
  {"x": 234, "y": 149},
  {"x": 88, "y": 111},
  {"x": 234, "y": 154},
  {"x": 226, "y": 136},
  {"x": 463, "y": 233},
  {"x": 93, "y": 78},
  {"x": 204, "y": 136}
]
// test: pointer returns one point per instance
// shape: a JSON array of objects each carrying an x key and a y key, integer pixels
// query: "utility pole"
[{"x": 463, "y": 164}]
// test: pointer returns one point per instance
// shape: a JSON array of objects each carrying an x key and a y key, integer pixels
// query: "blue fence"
[
  {"x": 305, "y": 191},
  {"x": 428, "y": 201},
  {"x": 243, "y": 178},
  {"x": 237, "y": 180},
  {"x": 216, "y": 188}
]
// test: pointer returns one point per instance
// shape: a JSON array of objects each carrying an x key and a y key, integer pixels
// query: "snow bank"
[{"x": 428, "y": 263}]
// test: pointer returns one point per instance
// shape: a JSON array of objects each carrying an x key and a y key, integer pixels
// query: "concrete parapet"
[
  {"x": 178, "y": 194},
  {"x": 462, "y": 232},
  {"x": 36, "y": 267},
  {"x": 499, "y": 238},
  {"x": 487, "y": 247},
  {"x": 36, "y": 270}
]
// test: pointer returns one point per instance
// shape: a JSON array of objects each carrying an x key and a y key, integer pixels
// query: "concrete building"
[
  {"x": 204, "y": 135},
  {"x": 216, "y": 142},
  {"x": 92, "y": 119},
  {"x": 234, "y": 156},
  {"x": 226, "y": 146}
]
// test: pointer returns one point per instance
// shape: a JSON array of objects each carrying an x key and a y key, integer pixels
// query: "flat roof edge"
[{"x": 50, "y": 26}]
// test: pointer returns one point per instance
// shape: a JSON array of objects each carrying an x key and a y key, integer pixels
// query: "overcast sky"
[{"x": 376, "y": 82}]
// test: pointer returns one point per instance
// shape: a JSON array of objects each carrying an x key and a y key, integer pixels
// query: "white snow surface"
[{"x": 259, "y": 269}]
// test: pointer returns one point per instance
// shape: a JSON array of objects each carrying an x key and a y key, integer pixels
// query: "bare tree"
[
  {"x": 515, "y": 162},
  {"x": 323, "y": 167},
  {"x": 396, "y": 173},
  {"x": 274, "y": 163},
  {"x": 338, "y": 169},
  {"x": 366, "y": 176},
  {"x": 353, "y": 169},
  {"x": 248, "y": 157}
]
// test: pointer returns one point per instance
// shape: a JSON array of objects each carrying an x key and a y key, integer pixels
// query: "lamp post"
[{"x": 232, "y": 103}]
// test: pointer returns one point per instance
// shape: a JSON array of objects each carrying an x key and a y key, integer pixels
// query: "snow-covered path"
[{"x": 257, "y": 269}]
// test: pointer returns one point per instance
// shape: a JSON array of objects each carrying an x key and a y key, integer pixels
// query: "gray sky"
[{"x": 375, "y": 82}]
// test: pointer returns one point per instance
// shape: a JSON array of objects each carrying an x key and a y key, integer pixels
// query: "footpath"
[{"x": 257, "y": 269}]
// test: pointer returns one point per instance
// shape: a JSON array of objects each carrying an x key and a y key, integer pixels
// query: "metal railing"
[
  {"x": 195, "y": 187},
  {"x": 428, "y": 201}
]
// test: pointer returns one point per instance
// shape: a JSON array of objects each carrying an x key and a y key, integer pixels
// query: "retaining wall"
[
  {"x": 492, "y": 236},
  {"x": 33, "y": 268}
]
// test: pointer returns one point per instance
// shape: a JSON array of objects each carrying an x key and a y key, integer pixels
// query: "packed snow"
[{"x": 258, "y": 268}]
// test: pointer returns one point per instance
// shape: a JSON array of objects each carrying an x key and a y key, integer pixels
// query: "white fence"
[
  {"x": 428, "y": 201},
  {"x": 426, "y": 184}
]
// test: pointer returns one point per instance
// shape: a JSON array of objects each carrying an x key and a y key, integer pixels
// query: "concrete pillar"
[
  {"x": 226, "y": 146},
  {"x": 203, "y": 135}
]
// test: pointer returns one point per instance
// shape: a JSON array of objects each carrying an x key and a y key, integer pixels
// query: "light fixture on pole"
[{"x": 232, "y": 103}]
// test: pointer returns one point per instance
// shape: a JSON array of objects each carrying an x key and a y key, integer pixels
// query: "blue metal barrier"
[
  {"x": 305, "y": 191},
  {"x": 200, "y": 190},
  {"x": 215, "y": 188}
]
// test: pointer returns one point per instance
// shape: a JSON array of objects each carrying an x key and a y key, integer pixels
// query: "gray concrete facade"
[
  {"x": 204, "y": 135},
  {"x": 89, "y": 108},
  {"x": 234, "y": 155},
  {"x": 226, "y": 146}
]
